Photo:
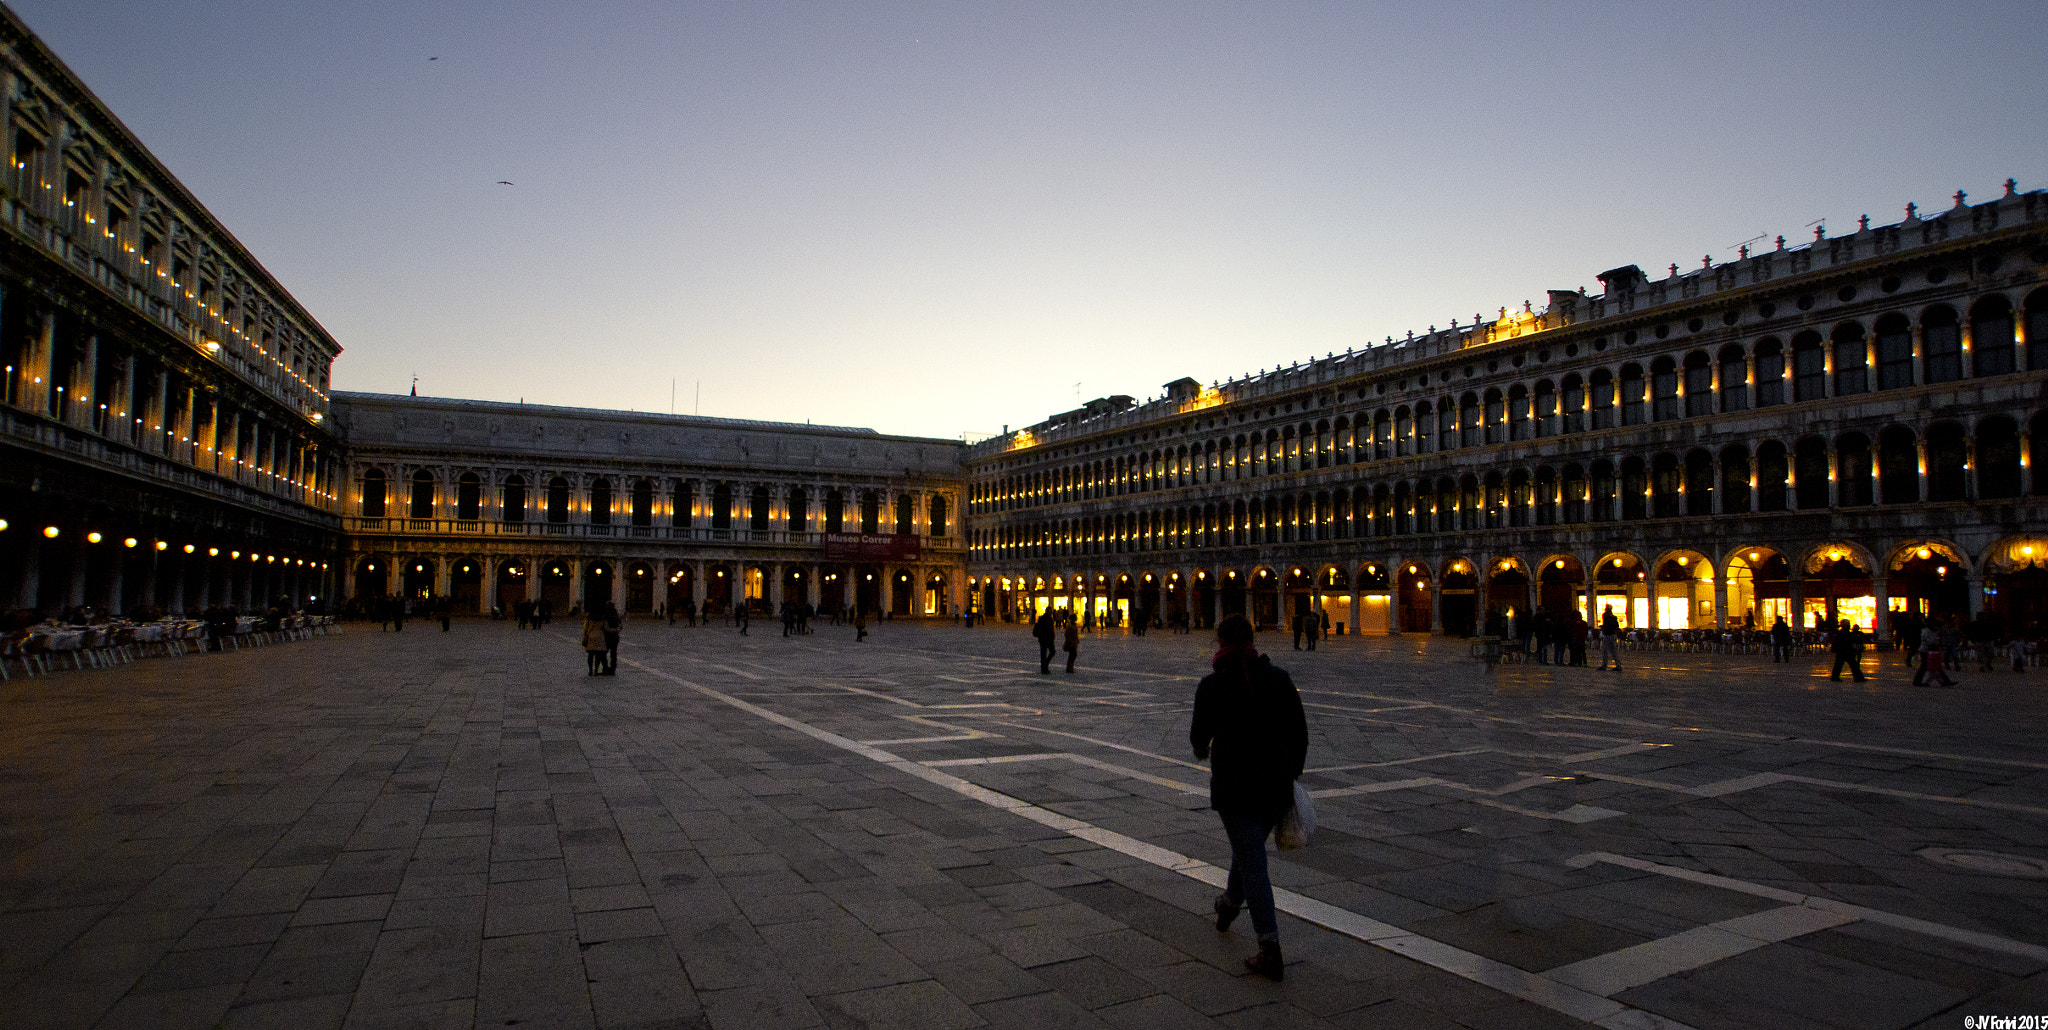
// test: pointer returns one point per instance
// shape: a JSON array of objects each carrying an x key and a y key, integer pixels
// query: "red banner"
[{"x": 858, "y": 547}]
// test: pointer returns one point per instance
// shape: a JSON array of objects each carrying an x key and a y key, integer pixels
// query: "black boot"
[
  {"x": 1267, "y": 962},
  {"x": 1226, "y": 913}
]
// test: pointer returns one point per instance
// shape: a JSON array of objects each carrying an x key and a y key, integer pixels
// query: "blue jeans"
[{"x": 1248, "y": 884}]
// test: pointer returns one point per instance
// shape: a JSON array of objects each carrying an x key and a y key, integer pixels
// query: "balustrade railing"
[{"x": 394, "y": 525}]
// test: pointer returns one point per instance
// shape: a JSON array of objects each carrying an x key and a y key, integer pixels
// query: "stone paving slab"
[{"x": 425, "y": 829}]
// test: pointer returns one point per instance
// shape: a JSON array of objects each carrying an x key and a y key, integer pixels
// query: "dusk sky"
[{"x": 932, "y": 218}]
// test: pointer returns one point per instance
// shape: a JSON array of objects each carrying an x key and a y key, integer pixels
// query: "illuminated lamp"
[
  {"x": 93, "y": 537},
  {"x": 1925, "y": 552},
  {"x": 213, "y": 552},
  {"x": 190, "y": 548},
  {"x": 160, "y": 545},
  {"x": 130, "y": 542},
  {"x": 51, "y": 532}
]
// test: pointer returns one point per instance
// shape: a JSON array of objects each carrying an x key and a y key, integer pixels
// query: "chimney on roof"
[{"x": 1621, "y": 280}]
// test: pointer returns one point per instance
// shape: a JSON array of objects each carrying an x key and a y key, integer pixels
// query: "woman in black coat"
[{"x": 1249, "y": 725}]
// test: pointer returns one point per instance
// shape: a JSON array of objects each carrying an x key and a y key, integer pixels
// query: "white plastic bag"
[{"x": 1298, "y": 823}]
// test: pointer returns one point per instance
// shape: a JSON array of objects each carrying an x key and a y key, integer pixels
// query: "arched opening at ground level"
[
  {"x": 372, "y": 577},
  {"x": 1459, "y": 602},
  {"x": 597, "y": 585},
  {"x": 555, "y": 586},
  {"x": 1837, "y": 588},
  {"x": 639, "y": 588},
  {"x": 1561, "y": 587},
  {"x": 466, "y": 584},
  {"x": 1413, "y": 602},
  {"x": 512, "y": 580},
  {"x": 419, "y": 578},
  {"x": 2016, "y": 586},
  {"x": 681, "y": 590},
  {"x": 1620, "y": 586},
  {"x": 1333, "y": 597}
]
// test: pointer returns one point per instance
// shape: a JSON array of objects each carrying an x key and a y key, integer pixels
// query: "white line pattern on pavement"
[{"x": 1520, "y": 983}]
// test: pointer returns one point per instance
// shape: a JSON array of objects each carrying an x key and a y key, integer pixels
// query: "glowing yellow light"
[
  {"x": 51, "y": 532},
  {"x": 190, "y": 548},
  {"x": 93, "y": 537},
  {"x": 130, "y": 542},
  {"x": 1924, "y": 552}
]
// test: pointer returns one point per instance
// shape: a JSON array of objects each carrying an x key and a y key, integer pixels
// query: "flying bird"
[
  {"x": 433, "y": 58},
  {"x": 502, "y": 182}
]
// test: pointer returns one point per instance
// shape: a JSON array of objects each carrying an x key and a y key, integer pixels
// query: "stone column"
[
  {"x": 487, "y": 585},
  {"x": 1880, "y": 626},
  {"x": 1721, "y": 599},
  {"x": 37, "y": 377},
  {"x": 1795, "y": 596},
  {"x": 1920, "y": 451},
  {"x": 771, "y": 587}
]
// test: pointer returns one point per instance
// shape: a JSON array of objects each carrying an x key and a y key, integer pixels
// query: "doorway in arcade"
[
  {"x": 466, "y": 585},
  {"x": 511, "y": 583},
  {"x": 1460, "y": 600},
  {"x": 1333, "y": 598}
]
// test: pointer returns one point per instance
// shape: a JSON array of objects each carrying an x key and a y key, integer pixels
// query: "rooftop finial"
[
  {"x": 1503, "y": 312},
  {"x": 1912, "y": 211},
  {"x": 1781, "y": 243},
  {"x": 1432, "y": 329},
  {"x": 1744, "y": 251},
  {"x": 2012, "y": 187},
  {"x": 1707, "y": 261},
  {"x": 1454, "y": 323},
  {"x": 1960, "y": 197},
  {"x": 1863, "y": 223},
  {"x": 1674, "y": 270},
  {"x": 1820, "y": 232}
]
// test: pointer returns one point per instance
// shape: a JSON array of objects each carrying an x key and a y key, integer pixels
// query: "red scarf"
[{"x": 1245, "y": 651}]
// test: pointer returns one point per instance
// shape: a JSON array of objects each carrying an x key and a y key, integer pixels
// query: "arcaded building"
[
  {"x": 1841, "y": 428},
  {"x": 162, "y": 434},
  {"x": 488, "y": 504}
]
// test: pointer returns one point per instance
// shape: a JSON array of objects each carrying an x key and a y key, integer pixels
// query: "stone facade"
[
  {"x": 1833, "y": 430},
  {"x": 161, "y": 416},
  {"x": 493, "y": 503}
]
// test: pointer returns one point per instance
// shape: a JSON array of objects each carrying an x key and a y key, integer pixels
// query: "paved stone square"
[{"x": 450, "y": 830}]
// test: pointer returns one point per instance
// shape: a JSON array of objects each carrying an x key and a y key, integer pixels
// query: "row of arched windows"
[
  {"x": 1850, "y": 470},
  {"x": 1891, "y": 353},
  {"x": 640, "y": 502}
]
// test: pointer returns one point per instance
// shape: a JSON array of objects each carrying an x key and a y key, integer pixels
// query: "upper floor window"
[
  {"x": 1699, "y": 385},
  {"x": 1852, "y": 360},
  {"x": 373, "y": 494},
  {"x": 643, "y": 502},
  {"x": 1894, "y": 353},
  {"x": 1631, "y": 395},
  {"x": 422, "y": 506},
  {"x": 1770, "y": 373},
  {"x": 1664, "y": 389},
  {"x": 1809, "y": 368},
  {"x": 938, "y": 515},
  {"x": 515, "y": 499},
  {"x": 601, "y": 502},
  {"x": 1734, "y": 379},
  {"x": 469, "y": 497},
  {"x": 1991, "y": 337},
  {"x": 1941, "y": 346}
]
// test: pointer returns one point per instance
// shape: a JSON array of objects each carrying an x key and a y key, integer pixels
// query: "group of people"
[
  {"x": 1048, "y": 629},
  {"x": 534, "y": 614}
]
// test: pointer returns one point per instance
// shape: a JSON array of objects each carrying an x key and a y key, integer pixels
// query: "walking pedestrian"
[
  {"x": 740, "y": 615},
  {"x": 1315, "y": 630},
  {"x": 1781, "y": 641},
  {"x": 1042, "y": 629},
  {"x": 593, "y": 644},
  {"x": 1581, "y": 629},
  {"x": 1848, "y": 648},
  {"x": 1073, "y": 644},
  {"x": 1610, "y": 638},
  {"x": 860, "y": 625},
  {"x": 1933, "y": 665},
  {"x": 1248, "y": 724},
  {"x": 614, "y": 623}
]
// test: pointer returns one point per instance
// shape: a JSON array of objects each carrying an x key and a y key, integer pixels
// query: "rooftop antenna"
[{"x": 415, "y": 386}]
